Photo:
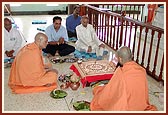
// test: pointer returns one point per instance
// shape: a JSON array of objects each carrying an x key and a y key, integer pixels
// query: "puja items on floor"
[
  {"x": 74, "y": 85},
  {"x": 65, "y": 85},
  {"x": 65, "y": 79},
  {"x": 58, "y": 94},
  {"x": 81, "y": 106},
  {"x": 60, "y": 60},
  {"x": 69, "y": 80}
]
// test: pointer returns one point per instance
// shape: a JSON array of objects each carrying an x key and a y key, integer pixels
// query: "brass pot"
[{"x": 74, "y": 85}]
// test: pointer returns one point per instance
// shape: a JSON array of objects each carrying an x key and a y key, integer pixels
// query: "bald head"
[
  {"x": 40, "y": 36},
  {"x": 41, "y": 40},
  {"x": 84, "y": 20},
  {"x": 124, "y": 53}
]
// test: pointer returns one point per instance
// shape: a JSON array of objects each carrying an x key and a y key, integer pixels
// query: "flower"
[{"x": 74, "y": 78}]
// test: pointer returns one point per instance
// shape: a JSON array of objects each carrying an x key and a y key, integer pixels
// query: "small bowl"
[
  {"x": 61, "y": 78},
  {"x": 79, "y": 61},
  {"x": 65, "y": 85}
]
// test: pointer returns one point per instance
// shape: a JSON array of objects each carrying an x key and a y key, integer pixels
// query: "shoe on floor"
[
  {"x": 105, "y": 52},
  {"x": 99, "y": 57}
]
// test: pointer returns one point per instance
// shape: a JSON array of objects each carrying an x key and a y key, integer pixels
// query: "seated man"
[
  {"x": 12, "y": 40},
  {"x": 28, "y": 72},
  {"x": 57, "y": 38},
  {"x": 126, "y": 91},
  {"x": 72, "y": 21},
  {"x": 87, "y": 41}
]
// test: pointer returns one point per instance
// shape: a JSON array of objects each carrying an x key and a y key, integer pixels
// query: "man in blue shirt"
[
  {"x": 57, "y": 38},
  {"x": 72, "y": 21}
]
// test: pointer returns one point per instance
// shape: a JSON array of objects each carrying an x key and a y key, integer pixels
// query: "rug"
[{"x": 92, "y": 71}]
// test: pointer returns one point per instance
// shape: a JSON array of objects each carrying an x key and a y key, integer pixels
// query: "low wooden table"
[{"x": 92, "y": 71}]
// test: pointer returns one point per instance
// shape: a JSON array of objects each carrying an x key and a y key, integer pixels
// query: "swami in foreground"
[
  {"x": 28, "y": 73},
  {"x": 127, "y": 90}
]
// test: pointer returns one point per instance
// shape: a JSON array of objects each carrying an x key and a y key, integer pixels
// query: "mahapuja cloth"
[{"x": 92, "y": 71}]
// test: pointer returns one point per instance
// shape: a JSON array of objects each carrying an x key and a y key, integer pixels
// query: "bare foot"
[
  {"x": 49, "y": 55},
  {"x": 56, "y": 71},
  {"x": 51, "y": 69}
]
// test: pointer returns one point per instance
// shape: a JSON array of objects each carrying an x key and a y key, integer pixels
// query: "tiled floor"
[{"x": 42, "y": 102}]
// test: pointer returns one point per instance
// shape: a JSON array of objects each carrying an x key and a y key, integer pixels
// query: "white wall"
[{"x": 37, "y": 7}]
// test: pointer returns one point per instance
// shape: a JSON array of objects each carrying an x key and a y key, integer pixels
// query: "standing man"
[
  {"x": 12, "y": 39},
  {"x": 29, "y": 73},
  {"x": 57, "y": 38},
  {"x": 72, "y": 21}
]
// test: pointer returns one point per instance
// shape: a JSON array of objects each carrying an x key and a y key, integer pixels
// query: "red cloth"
[{"x": 90, "y": 78}]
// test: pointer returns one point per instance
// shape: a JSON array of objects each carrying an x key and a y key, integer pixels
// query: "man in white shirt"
[
  {"x": 87, "y": 39},
  {"x": 12, "y": 39}
]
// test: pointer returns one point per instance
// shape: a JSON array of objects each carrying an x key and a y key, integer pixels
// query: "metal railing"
[{"x": 145, "y": 40}]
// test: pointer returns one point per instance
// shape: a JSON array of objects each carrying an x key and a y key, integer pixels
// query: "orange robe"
[
  {"x": 27, "y": 73},
  {"x": 126, "y": 91}
]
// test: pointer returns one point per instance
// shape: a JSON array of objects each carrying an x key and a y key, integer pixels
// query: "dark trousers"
[
  {"x": 63, "y": 49},
  {"x": 72, "y": 34}
]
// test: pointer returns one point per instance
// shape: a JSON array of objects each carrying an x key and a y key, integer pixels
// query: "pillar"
[{"x": 151, "y": 12}]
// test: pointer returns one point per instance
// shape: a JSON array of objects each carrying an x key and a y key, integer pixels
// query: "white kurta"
[
  {"x": 12, "y": 41},
  {"x": 87, "y": 37}
]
